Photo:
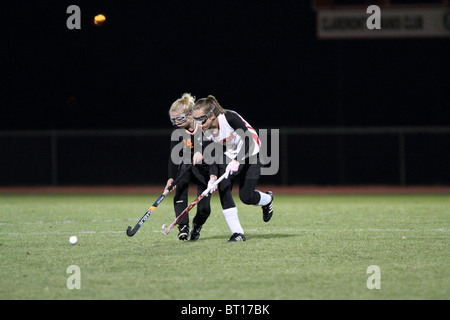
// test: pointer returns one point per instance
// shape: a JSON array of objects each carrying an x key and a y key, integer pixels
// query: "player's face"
[
  {"x": 202, "y": 119},
  {"x": 180, "y": 119}
]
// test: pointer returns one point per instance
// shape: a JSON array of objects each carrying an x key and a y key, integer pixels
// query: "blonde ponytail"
[{"x": 184, "y": 104}]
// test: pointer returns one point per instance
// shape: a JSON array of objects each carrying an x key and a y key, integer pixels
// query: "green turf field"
[{"x": 315, "y": 247}]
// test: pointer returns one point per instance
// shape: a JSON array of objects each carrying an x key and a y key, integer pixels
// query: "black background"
[{"x": 261, "y": 58}]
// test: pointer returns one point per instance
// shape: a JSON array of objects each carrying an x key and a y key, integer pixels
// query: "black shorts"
[{"x": 248, "y": 175}]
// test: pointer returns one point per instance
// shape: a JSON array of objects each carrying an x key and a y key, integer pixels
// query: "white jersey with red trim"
[{"x": 233, "y": 139}]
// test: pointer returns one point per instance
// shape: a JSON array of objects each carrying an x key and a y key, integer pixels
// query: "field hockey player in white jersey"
[{"x": 241, "y": 147}]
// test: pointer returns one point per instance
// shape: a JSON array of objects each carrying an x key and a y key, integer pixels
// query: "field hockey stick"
[
  {"x": 131, "y": 232},
  {"x": 166, "y": 229}
]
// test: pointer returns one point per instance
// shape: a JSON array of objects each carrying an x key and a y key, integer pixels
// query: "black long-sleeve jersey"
[{"x": 186, "y": 143}]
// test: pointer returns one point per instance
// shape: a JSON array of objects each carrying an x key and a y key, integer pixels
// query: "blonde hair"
[
  {"x": 209, "y": 103},
  {"x": 185, "y": 103}
]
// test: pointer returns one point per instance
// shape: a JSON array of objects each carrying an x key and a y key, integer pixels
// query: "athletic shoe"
[
  {"x": 268, "y": 208},
  {"x": 184, "y": 232},
  {"x": 237, "y": 237},
  {"x": 195, "y": 233}
]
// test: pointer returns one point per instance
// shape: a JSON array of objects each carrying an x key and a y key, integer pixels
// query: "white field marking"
[
  {"x": 334, "y": 230},
  {"x": 215, "y": 230},
  {"x": 61, "y": 232},
  {"x": 71, "y": 232},
  {"x": 62, "y": 222}
]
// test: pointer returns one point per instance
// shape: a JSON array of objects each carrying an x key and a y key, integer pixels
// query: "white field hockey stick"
[{"x": 166, "y": 229}]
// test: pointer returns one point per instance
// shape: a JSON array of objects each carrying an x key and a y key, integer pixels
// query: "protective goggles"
[
  {"x": 180, "y": 119},
  {"x": 204, "y": 118}
]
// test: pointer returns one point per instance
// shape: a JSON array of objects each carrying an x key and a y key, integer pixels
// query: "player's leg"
[
  {"x": 230, "y": 210},
  {"x": 180, "y": 202},
  {"x": 201, "y": 175},
  {"x": 249, "y": 195}
]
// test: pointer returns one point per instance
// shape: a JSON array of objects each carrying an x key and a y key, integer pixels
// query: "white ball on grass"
[{"x": 73, "y": 239}]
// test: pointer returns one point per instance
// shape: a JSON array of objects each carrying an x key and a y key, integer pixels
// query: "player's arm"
[
  {"x": 172, "y": 167},
  {"x": 200, "y": 144}
]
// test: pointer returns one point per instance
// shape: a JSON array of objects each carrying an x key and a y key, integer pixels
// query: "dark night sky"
[{"x": 260, "y": 58}]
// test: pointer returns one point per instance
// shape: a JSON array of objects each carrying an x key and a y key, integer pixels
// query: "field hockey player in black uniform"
[{"x": 181, "y": 116}]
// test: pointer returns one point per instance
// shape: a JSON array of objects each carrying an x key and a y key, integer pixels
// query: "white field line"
[
  {"x": 61, "y": 233},
  {"x": 59, "y": 222},
  {"x": 282, "y": 230},
  {"x": 348, "y": 230},
  {"x": 215, "y": 229}
]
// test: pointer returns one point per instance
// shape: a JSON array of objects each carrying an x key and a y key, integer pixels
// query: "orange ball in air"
[{"x": 99, "y": 20}]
